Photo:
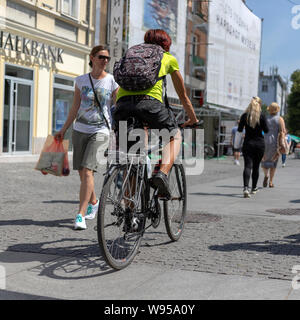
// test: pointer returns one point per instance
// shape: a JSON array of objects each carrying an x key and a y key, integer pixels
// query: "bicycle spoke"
[{"x": 118, "y": 243}]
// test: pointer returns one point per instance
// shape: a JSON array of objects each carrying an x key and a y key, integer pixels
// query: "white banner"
[
  {"x": 233, "y": 54},
  {"x": 169, "y": 15},
  {"x": 116, "y": 30}
]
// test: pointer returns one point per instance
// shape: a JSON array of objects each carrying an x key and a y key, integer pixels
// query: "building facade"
[
  {"x": 272, "y": 88},
  {"x": 44, "y": 45},
  {"x": 196, "y": 51}
]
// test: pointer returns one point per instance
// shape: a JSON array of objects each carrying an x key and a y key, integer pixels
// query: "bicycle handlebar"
[{"x": 195, "y": 125}]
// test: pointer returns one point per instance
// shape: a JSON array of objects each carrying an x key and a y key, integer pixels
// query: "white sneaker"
[
  {"x": 237, "y": 163},
  {"x": 246, "y": 193},
  {"x": 92, "y": 211},
  {"x": 253, "y": 191},
  {"x": 283, "y": 165},
  {"x": 80, "y": 222}
]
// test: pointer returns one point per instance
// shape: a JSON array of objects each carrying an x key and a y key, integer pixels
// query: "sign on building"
[
  {"x": 233, "y": 54},
  {"x": 116, "y": 30}
]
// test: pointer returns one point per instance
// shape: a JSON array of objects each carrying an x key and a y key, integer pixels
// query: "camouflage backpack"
[{"x": 138, "y": 69}]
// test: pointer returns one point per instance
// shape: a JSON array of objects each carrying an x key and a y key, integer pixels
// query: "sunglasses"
[{"x": 104, "y": 57}]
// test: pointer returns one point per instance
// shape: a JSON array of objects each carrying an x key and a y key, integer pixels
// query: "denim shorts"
[{"x": 88, "y": 149}]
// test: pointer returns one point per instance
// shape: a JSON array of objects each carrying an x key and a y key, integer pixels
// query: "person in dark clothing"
[{"x": 253, "y": 149}]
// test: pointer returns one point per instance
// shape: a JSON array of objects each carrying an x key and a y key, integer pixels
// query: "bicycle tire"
[
  {"x": 174, "y": 218},
  {"x": 118, "y": 253}
]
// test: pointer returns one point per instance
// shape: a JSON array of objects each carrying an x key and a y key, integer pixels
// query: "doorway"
[{"x": 17, "y": 124}]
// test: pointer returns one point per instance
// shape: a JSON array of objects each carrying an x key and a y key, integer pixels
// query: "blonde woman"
[
  {"x": 269, "y": 162},
  {"x": 253, "y": 149}
]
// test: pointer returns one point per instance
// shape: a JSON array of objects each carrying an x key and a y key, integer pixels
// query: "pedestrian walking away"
[
  {"x": 148, "y": 107},
  {"x": 276, "y": 125},
  {"x": 94, "y": 94},
  {"x": 236, "y": 151},
  {"x": 289, "y": 142},
  {"x": 253, "y": 148}
]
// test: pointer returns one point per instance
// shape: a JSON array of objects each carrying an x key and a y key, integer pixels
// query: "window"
[
  {"x": 65, "y": 30},
  {"x": 194, "y": 45},
  {"x": 63, "y": 92},
  {"x": 18, "y": 72},
  {"x": 264, "y": 86},
  {"x": 70, "y": 8},
  {"x": 17, "y": 12}
]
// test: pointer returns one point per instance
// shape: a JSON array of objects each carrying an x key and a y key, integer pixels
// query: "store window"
[
  {"x": 17, "y": 72},
  {"x": 63, "y": 92}
]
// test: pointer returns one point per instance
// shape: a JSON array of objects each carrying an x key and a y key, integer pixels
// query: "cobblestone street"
[{"x": 37, "y": 215}]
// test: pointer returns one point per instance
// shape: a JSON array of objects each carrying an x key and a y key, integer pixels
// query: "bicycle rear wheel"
[
  {"x": 118, "y": 244},
  {"x": 175, "y": 208}
]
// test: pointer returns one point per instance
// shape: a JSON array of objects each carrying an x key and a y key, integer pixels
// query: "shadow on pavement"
[
  {"x": 238, "y": 187},
  {"x": 62, "y": 201},
  {"x": 289, "y": 246},
  {"x": 233, "y": 195},
  {"x": 72, "y": 260},
  {"x": 62, "y": 223},
  {"x": 295, "y": 201}
]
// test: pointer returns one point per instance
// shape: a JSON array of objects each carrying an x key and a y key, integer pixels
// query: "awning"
[{"x": 295, "y": 138}]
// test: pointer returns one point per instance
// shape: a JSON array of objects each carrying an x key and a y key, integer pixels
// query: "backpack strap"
[{"x": 165, "y": 98}]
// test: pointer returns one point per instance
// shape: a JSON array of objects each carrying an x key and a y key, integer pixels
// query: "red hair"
[{"x": 159, "y": 37}]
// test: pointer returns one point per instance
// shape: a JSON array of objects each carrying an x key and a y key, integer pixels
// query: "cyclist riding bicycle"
[{"x": 148, "y": 108}]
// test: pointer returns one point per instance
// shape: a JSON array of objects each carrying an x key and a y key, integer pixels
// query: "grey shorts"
[{"x": 88, "y": 150}]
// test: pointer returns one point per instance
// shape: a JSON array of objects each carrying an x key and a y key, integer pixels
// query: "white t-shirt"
[{"x": 89, "y": 110}]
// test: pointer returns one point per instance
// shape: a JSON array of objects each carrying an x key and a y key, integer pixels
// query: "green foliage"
[
  {"x": 293, "y": 116},
  {"x": 264, "y": 108}
]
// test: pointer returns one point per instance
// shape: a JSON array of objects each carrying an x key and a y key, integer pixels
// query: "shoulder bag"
[{"x": 282, "y": 144}]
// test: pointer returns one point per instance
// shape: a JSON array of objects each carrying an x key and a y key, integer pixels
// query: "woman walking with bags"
[
  {"x": 93, "y": 96},
  {"x": 253, "y": 148},
  {"x": 276, "y": 131}
]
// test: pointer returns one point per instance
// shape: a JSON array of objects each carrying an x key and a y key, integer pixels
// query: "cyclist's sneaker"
[
  {"x": 254, "y": 190},
  {"x": 160, "y": 181},
  {"x": 80, "y": 222},
  {"x": 92, "y": 210}
]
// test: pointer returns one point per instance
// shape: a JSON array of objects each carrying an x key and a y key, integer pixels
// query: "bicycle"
[{"x": 129, "y": 206}]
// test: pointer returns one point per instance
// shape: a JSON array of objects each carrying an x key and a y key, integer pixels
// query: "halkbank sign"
[{"x": 30, "y": 47}]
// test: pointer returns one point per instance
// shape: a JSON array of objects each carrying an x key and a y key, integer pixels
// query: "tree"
[
  {"x": 264, "y": 108},
  {"x": 293, "y": 114}
]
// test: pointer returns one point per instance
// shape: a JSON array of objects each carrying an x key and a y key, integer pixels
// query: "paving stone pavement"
[{"x": 37, "y": 213}]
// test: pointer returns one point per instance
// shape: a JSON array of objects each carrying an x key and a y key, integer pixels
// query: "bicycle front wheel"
[
  {"x": 175, "y": 208},
  {"x": 118, "y": 244}
]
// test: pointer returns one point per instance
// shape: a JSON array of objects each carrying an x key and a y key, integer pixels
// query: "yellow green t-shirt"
[{"x": 169, "y": 64}]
